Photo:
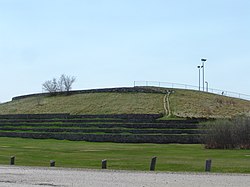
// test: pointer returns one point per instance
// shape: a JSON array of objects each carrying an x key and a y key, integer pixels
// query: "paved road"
[{"x": 35, "y": 177}]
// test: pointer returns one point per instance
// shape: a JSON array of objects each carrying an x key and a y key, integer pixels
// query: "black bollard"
[
  {"x": 52, "y": 163},
  {"x": 104, "y": 164},
  {"x": 12, "y": 160},
  {"x": 153, "y": 163},
  {"x": 208, "y": 165}
]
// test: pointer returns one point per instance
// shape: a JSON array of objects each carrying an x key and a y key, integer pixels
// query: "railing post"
[
  {"x": 12, "y": 160},
  {"x": 104, "y": 164},
  {"x": 52, "y": 163},
  {"x": 153, "y": 163},
  {"x": 208, "y": 165}
]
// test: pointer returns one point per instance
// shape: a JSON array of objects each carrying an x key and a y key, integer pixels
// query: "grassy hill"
[{"x": 146, "y": 100}]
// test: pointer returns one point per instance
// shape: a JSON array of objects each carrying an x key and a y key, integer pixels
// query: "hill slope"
[{"x": 146, "y": 100}]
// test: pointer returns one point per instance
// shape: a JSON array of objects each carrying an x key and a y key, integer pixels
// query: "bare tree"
[
  {"x": 60, "y": 85},
  {"x": 67, "y": 82},
  {"x": 63, "y": 84},
  {"x": 50, "y": 86}
]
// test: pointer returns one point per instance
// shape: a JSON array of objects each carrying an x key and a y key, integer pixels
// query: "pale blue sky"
[{"x": 111, "y": 43}]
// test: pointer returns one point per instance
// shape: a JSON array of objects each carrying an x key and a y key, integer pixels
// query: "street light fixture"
[
  {"x": 206, "y": 86},
  {"x": 199, "y": 67},
  {"x": 203, "y": 66}
]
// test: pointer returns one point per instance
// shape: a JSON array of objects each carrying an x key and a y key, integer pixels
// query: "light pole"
[
  {"x": 199, "y": 67},
  {"x": 203, "y": 66},
  {"x": 206, "y": 86}
]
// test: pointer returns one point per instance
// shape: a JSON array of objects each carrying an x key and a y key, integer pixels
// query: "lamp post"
[
  {"x": 203, "y": 66},
  {"x": 199, "y": 67},
  {"x": 206, "y": 86}
]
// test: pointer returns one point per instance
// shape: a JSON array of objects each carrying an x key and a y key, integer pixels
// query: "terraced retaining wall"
[
  {"x": 68, "y": 116},
  {"x": 123, "y": 128},
  {"x": 183, "y": 139}
]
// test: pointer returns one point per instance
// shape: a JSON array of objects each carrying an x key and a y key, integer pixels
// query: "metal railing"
[{"x": 191, "y": 87}]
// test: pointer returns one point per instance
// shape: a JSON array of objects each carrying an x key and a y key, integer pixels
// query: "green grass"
[
  {"x": 91, "y": 103},
  {"x": 186, "y": 103},
  {"x": 183, "y": 103},
  {"x": 79, "y": 154}
]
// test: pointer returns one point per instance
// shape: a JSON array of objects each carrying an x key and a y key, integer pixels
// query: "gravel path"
[{"x": 31, "y": 176}]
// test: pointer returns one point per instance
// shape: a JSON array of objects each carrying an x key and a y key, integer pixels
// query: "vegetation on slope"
[
  {"x": 183, "y": 103},
  {"x": 187, "y": 103},
  {"x": 89, "y": 103}
]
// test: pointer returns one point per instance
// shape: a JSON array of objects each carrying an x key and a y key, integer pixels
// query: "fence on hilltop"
[{"x": 191, "y": 87}]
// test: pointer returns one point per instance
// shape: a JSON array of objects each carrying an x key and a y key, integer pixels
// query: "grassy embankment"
[
  {"x": 90, "y": 103},
  {"x": 183, "y": 103},
  {"x": 171, "y": 157}
]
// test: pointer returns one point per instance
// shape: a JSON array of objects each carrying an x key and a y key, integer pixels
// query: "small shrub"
[{"x": 228, "y": 134}]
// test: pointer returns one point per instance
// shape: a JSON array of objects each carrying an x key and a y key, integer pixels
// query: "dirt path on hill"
[
  {"x": 167, "y": 104},
  {"x": 55, "y": 177}
]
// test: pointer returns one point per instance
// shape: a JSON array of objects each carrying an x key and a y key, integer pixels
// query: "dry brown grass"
[
  {"x": 183, "y": 103},
  {"x": 91, "y": 103}
]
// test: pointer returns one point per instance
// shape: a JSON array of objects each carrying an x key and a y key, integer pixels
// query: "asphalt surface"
[{"x": 35, "y": 177}]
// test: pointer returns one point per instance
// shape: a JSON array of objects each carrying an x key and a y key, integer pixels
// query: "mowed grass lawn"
[{"x": 79, "y": 154}]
